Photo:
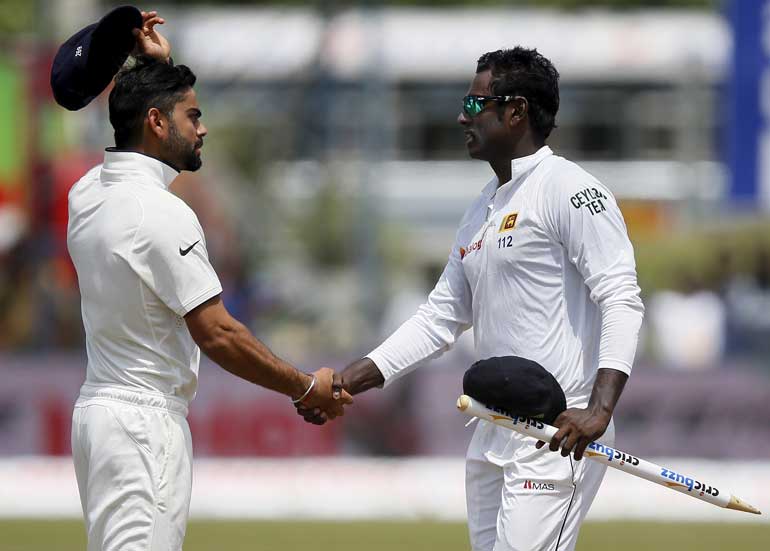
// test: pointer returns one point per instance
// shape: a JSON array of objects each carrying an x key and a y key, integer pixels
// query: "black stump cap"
[
  {"x": 86, "y": 63},
  {"x": 515, "y": 385}
]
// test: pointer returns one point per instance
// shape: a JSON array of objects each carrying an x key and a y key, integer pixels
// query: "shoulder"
[
  {"x": 567, "y": 184},
  {"x": 163, "y": 207},
  {"x": 92, "y": 174},
  {"x": 569, "y": 176},
  {"x": 88, "y": 178},
  {"x": 166, "y": 221}
]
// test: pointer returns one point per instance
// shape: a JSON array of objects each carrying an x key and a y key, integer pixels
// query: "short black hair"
[
  {"x": 148, "y": 83},
  {"x": 524, "y": 72}
]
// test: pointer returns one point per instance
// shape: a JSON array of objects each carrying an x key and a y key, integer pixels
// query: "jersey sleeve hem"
[
  {"x": 618, "y": 365},
  {"x": 388, "y": 374},
  {"x": 199, "y": 299}
]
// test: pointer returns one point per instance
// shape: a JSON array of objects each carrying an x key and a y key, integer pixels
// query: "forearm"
[
  {"x": 577, "y": 426},
  {"x": 361, "y": 375},
  {"x": 239, "y": 352},
  {"x": 619, "y": 335},
  {"x": 433, "y": 329},
  {"x": 424, "y": 336},
  {"x": 621, "y": 321},
  {"x": 606, "y": 391}
]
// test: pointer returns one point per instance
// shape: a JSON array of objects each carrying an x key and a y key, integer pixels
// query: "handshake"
[{"x": 324, "y": 398}]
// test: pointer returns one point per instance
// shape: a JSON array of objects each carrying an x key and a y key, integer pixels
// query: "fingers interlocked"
[{"x": 327, "y": 399}]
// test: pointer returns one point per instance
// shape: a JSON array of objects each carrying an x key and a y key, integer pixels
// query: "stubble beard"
[{"x": 182, "y": 151}]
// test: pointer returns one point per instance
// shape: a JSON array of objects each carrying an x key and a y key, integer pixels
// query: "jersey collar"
[
  {"x": 523, "y": 165},
  {"x": 120, "y": 166},
  {"x": 519, "y": 169}
]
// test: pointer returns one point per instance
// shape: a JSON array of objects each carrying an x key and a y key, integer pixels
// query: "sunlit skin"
[
  {"x": 150, "y": 42},
  {"x": 176, "y": 140},
  {"x": 500, "y": 132}
]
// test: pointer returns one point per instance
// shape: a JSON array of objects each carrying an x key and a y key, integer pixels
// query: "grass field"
[{"x": 401, "y": 536}]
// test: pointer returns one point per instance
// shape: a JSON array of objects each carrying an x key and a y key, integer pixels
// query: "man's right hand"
[
  {"x": 230, "y": 344},
  {"x": 149, "y": 41},
  {"x": 328, "y": 398},
  {"x": 357, "y": 377}
]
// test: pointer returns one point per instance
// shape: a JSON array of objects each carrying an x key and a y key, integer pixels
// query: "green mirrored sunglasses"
[{"x": 473, "y": 105}]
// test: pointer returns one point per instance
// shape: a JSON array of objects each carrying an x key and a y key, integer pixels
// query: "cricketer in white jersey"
[
  {"x": 126, "y": 235},
  {"x": 150, "y": 298},
  {"x": 541, "y": 268}
]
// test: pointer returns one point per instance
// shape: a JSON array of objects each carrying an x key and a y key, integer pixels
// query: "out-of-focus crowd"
[
  {"x": 695, "y": 321},
  {"x": 703, "y": 320}
]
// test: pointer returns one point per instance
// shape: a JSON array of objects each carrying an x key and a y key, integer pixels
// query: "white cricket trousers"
[
  {"x": 520, "y": 498},
  {"x": 133, "y": 462}
]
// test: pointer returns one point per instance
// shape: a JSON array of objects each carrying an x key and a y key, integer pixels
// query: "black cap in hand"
[
  {"x": 86, "y": 63},
  {"x": 517, "y": 386}
]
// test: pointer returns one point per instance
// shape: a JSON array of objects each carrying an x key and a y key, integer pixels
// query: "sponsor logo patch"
[
  {"x": 184, "y": 252},
  {"x": 687, "y": 482},
  {"x": 596, "y": 449},
  {"x": 502, "y": 415},
  {"x": 509, "y": 222},
  {"x": 475, "y": 246},
  {"x": 590, "y": 199},
  {"x": 530, "y": 485}
]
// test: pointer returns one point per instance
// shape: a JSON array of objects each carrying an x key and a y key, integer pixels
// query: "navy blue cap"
[
  {"x": 515, "y": 385},
  {"x": 86, "y": 63}
]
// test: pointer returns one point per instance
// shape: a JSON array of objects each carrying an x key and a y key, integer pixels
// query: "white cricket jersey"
[
  {"x": 142, "y": 264},
  {"x": 542, "y": 268}
]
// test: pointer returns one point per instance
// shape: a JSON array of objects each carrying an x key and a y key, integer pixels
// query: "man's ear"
[
  {"x": 520, "y": 109},
  {"x": 157, "y": 123}
]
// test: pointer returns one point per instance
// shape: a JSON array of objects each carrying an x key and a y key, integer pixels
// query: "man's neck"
[{"x": 502, "y": 170}]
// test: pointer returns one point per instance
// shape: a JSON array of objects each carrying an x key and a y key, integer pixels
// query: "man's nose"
[{"x": 463, "y": 118}]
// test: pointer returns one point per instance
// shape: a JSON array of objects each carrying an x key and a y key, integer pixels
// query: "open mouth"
[{"x": 469, "y": 137}]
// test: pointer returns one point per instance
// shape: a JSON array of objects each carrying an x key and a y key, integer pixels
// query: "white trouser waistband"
[{"x": 142, "y": 398}]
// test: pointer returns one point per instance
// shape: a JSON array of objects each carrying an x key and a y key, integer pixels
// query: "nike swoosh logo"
[{"x": 184, "y": 252}]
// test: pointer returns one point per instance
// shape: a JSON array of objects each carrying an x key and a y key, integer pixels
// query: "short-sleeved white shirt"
[
  {"x": 542, "y": 268},
  {"x": 142, "y": 264}
]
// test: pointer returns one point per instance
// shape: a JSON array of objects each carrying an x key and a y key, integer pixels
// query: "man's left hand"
[
  {"x": 577, "y": 428},
  {"x": 149, "y": 41}
]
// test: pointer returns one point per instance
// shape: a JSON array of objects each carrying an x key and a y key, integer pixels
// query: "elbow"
[
  {"x": 627, "y": 299},
  {"x": 632, "y": 303},
  {"x": 215, "y": 339},
  {"x": 627, "y": 310}
]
